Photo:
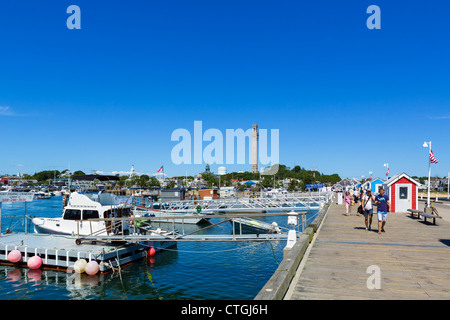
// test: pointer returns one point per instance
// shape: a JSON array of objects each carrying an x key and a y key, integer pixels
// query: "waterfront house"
[
  {"x": 208, "y": 194},
  {"x": 373, "y": 185},
  {"x": 402, "y": 192},
  {"x": 174, "y": 194}
]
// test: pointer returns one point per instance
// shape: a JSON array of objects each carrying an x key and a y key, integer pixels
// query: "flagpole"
[
  {"x": 429, "y": 176},
  {"x": 425, "y": 145}
]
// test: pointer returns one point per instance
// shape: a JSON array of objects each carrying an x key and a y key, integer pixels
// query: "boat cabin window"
[
  {"x": 90, "y": 214},
  {"x": 126, "y": 212},
  {"x": 72, "y": 214},
  {"x": 120, "y": 212}
]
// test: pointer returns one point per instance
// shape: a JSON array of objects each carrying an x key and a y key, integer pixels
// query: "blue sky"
[{"x": 346, "y": 99}]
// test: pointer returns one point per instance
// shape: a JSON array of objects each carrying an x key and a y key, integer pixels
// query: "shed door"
[
  {"x": 403, "y": 197},
  {"x": 376, "y": 189}
]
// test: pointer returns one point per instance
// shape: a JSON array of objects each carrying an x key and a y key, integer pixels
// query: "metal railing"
[{"x": 281, "y": 203}]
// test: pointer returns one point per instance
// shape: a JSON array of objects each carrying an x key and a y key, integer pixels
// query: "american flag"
[
  {"x": 161, "y": 169},
  {"x": 432, "y": 158}
]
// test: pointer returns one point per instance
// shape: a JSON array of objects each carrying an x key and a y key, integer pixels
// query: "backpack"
[{"x": 360, "y": 209}]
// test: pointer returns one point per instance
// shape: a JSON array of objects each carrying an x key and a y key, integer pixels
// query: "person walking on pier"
[
  {"x": 367, "y": 202},
  {"x": 348, "y": 202},
  {"x": 382, "y": 202}
]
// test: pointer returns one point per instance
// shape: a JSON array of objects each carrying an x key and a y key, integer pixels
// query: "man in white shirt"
[{"x": 367, "y": 204}]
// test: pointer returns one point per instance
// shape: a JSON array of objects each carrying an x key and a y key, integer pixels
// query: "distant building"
[
  {"x": 208, "y": 194},
  {"x": 373, "y": 185},
  {"x": 168, "y": 195},
  {"x": 443, "y": 185}
]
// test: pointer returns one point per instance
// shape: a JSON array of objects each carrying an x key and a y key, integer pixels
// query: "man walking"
[
  {"x": 367, "y": 202},
  {"x": 382, "y": 202}
]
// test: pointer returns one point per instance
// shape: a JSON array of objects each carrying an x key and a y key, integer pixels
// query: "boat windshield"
[{"x": 72, "y": 214}]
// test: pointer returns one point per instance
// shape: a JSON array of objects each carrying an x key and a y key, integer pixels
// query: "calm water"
[{"x": 192, "y": 270}]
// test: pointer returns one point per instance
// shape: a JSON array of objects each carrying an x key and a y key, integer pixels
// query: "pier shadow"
[
  {"x": 373, "y": 229},
  {"x": 428, "y": 223},
  {"x": 445, "y": 241}
]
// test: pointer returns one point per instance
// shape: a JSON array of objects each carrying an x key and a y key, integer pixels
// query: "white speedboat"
[
  {"x": 255, "y": 226},
  {"x": 85, "y": 207}
]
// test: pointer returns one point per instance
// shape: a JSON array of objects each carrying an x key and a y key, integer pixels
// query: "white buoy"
[
  {"x": 79, "y": 265},
  {"x": 92, "y": 267}
]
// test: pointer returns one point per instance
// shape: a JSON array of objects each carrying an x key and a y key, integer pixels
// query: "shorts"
[
  {"x": 368, "y": 212},
  {"x": 382, "y": 215}
]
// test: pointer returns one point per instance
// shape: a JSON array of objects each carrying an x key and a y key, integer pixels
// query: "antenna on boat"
[{"x": 70, "y": 174}]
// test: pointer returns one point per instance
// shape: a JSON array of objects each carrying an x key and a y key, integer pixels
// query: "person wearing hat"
[{"x": 367, "y": 203}]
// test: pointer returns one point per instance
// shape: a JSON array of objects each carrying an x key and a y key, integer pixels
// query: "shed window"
[{"x": 403, "y": 192}]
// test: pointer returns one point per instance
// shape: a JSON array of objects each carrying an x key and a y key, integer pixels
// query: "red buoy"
[{"x": 151, "y": 252}]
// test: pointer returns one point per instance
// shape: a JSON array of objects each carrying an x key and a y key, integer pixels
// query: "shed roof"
[{"x": 397, "y": 177}]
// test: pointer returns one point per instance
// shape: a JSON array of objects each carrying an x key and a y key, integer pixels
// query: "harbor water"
[{"x": 231, "y": 270}]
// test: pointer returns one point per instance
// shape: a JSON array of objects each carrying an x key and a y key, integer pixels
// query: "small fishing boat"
[
  {"x": 255, "y": 226},
  {"x": 87, "y": 209},
  {"x": 42, "y": 195}
]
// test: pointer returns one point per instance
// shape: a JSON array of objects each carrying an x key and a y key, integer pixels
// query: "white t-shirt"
[{"x": 368, "y": 204}]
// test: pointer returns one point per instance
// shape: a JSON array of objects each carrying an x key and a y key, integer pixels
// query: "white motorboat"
[
  {"x": 255, "y": 226},
  {"x": 85, "y": 207}
]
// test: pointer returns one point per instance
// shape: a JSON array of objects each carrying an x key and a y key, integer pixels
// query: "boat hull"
[
  {"x": 40, "y": 229},
  {"x": 60, "y": 226},
  {"x": 252, "y": 226}
]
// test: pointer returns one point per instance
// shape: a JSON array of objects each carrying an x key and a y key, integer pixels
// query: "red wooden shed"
[{"x": 402, "y": 192}]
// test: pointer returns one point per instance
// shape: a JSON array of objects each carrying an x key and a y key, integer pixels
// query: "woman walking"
[{"x": 348, "y": 202}]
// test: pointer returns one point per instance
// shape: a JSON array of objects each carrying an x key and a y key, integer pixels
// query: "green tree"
[
  {"x": 78, "y": 173},
  {"x": 170, "y": 184},
  {"x": 44, "y": 176},
  {"x": 153, "y": 182},
  {"x": 143, "y": 180}
]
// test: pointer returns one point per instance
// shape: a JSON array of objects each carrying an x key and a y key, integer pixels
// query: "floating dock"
[{"x": 61, "y": 252}]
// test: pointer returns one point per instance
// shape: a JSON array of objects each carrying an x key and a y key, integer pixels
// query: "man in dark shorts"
[
  {"x": 382, "y": 203},
  {"x": 367, "y": 202}
]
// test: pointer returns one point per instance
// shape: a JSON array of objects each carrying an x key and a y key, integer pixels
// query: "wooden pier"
[{"x": 412, "y": 257}]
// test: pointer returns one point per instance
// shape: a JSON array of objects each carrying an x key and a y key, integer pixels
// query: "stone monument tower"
[{"x": 255, "y": 139}]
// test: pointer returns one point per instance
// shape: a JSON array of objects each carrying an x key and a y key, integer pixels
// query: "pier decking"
[{"x": 413, "y": 257}]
